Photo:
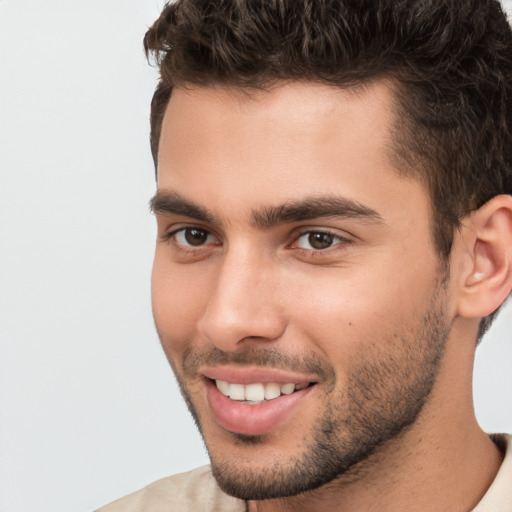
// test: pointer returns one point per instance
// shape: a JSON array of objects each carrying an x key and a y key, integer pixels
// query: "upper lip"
[{"x": 253, "y": 374}]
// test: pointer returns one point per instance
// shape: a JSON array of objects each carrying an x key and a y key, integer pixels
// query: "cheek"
[
  {"x": 178, "y": 301},
  {"x": 345, "y": 310}
]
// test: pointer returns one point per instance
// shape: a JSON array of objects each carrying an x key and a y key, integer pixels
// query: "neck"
[
  {"x": 444, "y": 461},
  {"x": 452, "y": 473}
]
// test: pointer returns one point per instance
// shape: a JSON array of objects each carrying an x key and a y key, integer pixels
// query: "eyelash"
[
  {"x": 171, "y": 238},
  {"x": 337, "y": 240}
]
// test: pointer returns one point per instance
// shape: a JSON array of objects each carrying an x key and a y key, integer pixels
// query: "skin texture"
[{"x": 372, "y": 319}]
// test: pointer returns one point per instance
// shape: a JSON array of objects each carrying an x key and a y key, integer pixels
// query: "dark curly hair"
[{"x": 451, "y": 62}]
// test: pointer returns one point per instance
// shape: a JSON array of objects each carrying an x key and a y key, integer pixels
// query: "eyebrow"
[
  {"x": 174, "y": 203},
  {"x": 314, "y": 207},
  {"x": 293, "y": 211}
]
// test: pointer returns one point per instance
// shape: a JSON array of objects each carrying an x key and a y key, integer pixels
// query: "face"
[{"x": 296, "y": 289}]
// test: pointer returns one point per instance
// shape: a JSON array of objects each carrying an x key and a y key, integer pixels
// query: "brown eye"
[
  {"x": 195, "y": 237},
  {"x": 319, "y": 240}
]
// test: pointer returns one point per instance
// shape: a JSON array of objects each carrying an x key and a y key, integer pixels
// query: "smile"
[
  {"x": 254, "y": 403},
  {"x": 257, "y": 393}
]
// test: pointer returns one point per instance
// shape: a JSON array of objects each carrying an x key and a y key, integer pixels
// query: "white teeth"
[
  {"x": 237, "y": 391},
  {"x": 272, "y": 391},
  {"x": 287, "y": 389},
  {"x": 256, "y": 393},
  {"x": 223, "y": 387}
]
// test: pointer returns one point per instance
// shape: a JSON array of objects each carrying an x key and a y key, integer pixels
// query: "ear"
[{"x": 486, "y": 268}]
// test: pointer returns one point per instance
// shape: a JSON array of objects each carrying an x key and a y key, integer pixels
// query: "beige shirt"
[
  {"x": 197, "y": 491},
  {"x": 498, "y": 497}
]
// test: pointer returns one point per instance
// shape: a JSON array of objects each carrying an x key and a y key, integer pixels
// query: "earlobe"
[{"x": 487, "y": 274}]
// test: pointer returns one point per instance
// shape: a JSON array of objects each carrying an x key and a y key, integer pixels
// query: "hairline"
[{"x": 400, "y": 154}]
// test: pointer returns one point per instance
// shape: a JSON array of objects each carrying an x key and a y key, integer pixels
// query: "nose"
[{"x": 244, "y": 304}]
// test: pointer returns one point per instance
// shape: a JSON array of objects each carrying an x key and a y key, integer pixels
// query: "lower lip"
[{"x": 252, "y": 420}]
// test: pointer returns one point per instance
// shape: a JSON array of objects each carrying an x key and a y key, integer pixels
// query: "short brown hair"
[{"x": 450, "y": 59}]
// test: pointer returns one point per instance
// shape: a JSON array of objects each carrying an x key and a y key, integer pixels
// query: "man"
[{"x": 334, "y": 211}]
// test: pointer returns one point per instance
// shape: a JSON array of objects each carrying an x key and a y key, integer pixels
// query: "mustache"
[{"x": 309, "y": 363}]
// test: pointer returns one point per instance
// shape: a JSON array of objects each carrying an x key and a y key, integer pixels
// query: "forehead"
[
  {"x": 224, "y": 147},
  {"x": 298, "y": 111}
]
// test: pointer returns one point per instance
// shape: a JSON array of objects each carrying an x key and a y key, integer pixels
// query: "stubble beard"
[{"x": 387, "y": 388}]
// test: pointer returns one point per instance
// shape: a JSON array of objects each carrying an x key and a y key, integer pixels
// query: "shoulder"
[
  {"x": 193, "y": 491},
  {"x": 499, "y": 496}
]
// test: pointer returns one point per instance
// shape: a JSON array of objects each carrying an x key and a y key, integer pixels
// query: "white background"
[{"x": 89, "y": 410}]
